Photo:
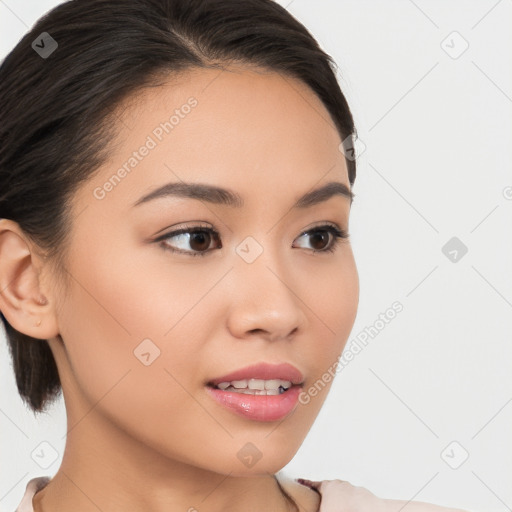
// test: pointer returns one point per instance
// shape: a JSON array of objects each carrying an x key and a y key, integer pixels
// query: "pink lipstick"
[{"x": 260, "y": 392}]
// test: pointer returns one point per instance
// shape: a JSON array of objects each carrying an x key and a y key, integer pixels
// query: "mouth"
[{"x": 261, "y": 392}]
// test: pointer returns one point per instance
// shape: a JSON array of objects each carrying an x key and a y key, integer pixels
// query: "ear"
[{"x": 22, "y": 301}]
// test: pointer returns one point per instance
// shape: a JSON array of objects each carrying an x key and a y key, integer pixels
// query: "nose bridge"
[
  {"x": 258, "y": 262},
  {"x": 265, "y": 299}
]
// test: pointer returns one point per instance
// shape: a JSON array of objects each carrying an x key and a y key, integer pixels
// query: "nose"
[{"x": 264, "y": 302}]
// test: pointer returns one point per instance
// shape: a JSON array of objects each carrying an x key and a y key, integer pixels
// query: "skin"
[{"x": 150, "y": 437}]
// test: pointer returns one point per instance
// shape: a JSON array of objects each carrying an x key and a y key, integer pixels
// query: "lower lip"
[{"x": 258, "y": 407}]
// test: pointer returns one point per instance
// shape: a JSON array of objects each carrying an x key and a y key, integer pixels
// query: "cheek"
[
  {"x": 137, "y": 327},
  {"x": 103, "y": 321},
  {"x": 331, "y": 294},
  {"x": 333, "y": 303},
  {"x": 119, "y": 319}
]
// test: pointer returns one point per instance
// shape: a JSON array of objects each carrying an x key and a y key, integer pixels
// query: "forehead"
[{"x": 247, "y": 127}]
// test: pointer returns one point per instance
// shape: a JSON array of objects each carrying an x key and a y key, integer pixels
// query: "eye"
[
  {"x": 325, "y": 238},
  {"x": 198, "y": 239}
]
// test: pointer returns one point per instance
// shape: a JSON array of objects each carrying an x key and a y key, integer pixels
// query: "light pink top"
[{"x": 336, "y": 496}]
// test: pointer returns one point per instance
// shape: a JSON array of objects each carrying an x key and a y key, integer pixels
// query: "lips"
[
  {"x": 262, "y": 371},
  {"x": 265, "y": 405}
]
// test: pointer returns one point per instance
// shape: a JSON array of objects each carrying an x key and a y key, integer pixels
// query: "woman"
[{"x": 135, "y": 136}]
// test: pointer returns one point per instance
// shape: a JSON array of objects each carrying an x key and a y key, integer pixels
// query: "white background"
[{"x": 437, "y": 164}]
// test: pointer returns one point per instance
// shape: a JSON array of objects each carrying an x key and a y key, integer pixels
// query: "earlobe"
[{"x": 22, "y": 301}]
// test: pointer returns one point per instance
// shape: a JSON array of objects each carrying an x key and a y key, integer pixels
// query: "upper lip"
[{"x": 264, "y": 371}]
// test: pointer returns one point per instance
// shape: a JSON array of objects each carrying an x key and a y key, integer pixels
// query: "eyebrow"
[{"x": 225, "y": 197}]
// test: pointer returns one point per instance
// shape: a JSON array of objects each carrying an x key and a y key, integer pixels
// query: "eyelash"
[{"x": 339, "y": 236}]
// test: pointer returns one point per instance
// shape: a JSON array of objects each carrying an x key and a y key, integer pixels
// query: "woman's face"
[{"x": 145, "y": 329}]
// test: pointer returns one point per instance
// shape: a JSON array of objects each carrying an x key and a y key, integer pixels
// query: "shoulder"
[
  {"x": 34, "y": 485},
  {"x": 342, "y": 496}
]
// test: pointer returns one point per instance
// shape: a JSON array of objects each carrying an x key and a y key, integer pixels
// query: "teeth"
[
  {"x": 275, "y": 383},
  {"x": 256, "y": 386}
]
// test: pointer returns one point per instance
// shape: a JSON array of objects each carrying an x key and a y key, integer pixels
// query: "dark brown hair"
[{"x": 56, "y": 111}]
